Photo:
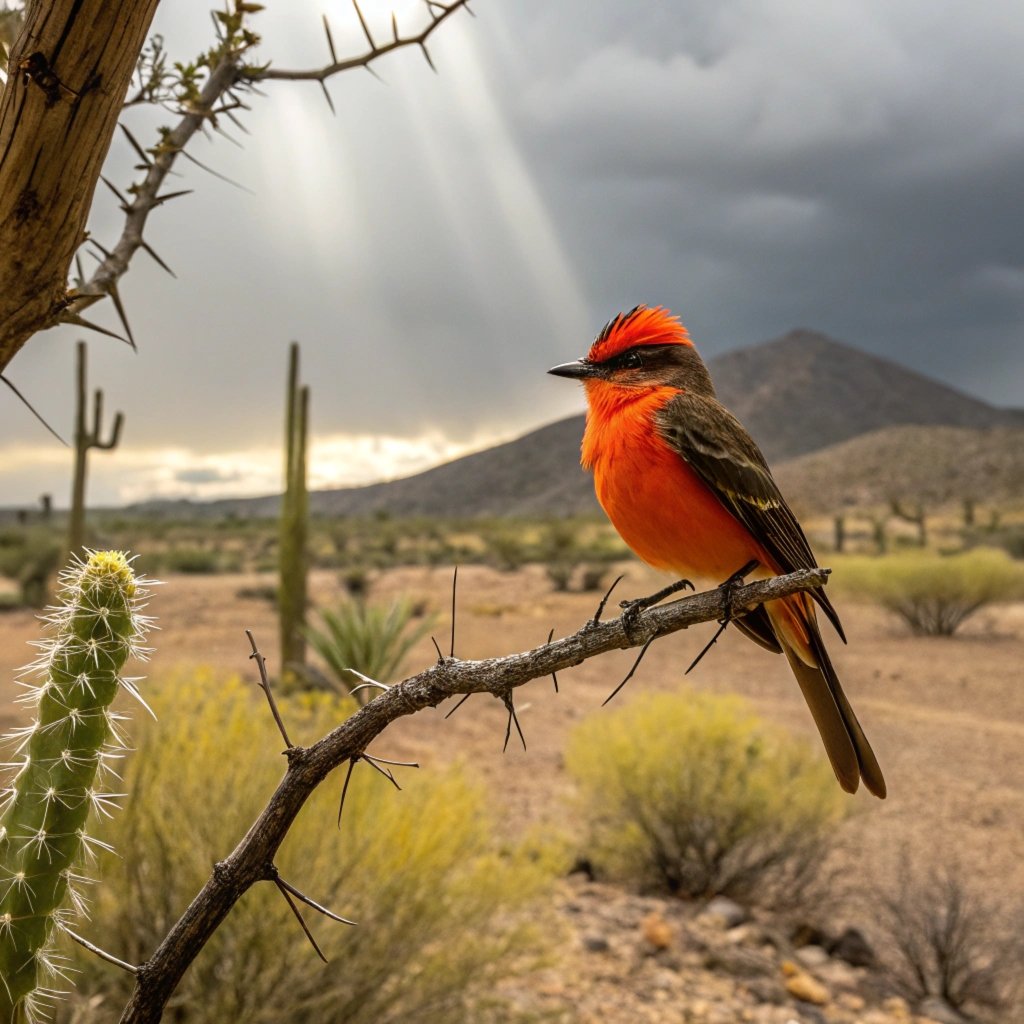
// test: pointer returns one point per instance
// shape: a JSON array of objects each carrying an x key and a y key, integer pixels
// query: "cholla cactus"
[{"x": 60, "y": 764}]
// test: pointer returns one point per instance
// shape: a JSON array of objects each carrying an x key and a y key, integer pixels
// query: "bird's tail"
[{"x": 847, "y": 747}]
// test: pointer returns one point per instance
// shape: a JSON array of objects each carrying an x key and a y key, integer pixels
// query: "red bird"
[{"x": 690, "y": 492}]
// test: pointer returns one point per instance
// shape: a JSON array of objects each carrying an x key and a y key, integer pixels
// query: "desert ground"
[{"x": 945, "y": 716}]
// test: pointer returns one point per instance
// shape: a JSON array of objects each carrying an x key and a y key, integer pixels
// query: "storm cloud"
[{"x": 853, "y": 167}]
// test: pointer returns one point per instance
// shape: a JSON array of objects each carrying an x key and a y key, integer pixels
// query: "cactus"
[
  {"x": 84, "y": 440},
  {"x": 292, "y": 558},
  {"x": 61, "y": 760}
]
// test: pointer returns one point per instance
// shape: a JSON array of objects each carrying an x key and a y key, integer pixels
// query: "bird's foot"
[
  {"x": 727, "y": 587},
  {"x": 631, "y": 609}
]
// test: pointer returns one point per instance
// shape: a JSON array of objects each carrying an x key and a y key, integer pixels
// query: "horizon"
[{"x": 434, "y": 451}]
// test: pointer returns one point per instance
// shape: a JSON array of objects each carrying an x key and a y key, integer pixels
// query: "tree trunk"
[{"x": 68, "y": 75}]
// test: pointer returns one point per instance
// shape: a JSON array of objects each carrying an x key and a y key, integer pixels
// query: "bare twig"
[
  {"x": 101, "y": 953},
  {"x": 252, "y": 859},
  {"x": 261, "y": 664}
]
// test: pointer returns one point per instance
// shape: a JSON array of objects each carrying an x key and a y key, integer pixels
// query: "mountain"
[
  {"x": 800, "y": 393},
  {"x": 806, "y": 391}
]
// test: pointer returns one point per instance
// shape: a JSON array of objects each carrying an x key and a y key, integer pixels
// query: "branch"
[
  {"x": 438, "y": 13},
  {"x": 252, "y": 860}
]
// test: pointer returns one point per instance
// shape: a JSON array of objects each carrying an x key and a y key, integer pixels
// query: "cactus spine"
[
  {"x": 60, "y": 761},
  {"x": 84, "y": 440},
  {"x": 294, "y": 523}
]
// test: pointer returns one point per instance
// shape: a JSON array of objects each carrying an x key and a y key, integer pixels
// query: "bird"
[{"x": 690, "y": 492}]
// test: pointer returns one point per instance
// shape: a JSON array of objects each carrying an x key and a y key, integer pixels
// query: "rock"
[
  {"x": 766, "y": 991},
  {"x": 789, "y": 969},
  {"x": 728, "y": 911},
  {"x": 897, "y": 1006},
  {"x": 852, "y": 1001},
  {"x": 807, "y": 989},
  {"x": 596, "y": 944},
  {"x": 939, "y": 1011},
  {"x": 740, "y": 963},
  {"x": 657, "y": 932},
  {"x": 852, "y": 947},
  {"x": 812, "y": 956}
]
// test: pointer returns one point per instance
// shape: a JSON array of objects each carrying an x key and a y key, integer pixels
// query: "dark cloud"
[{"x": 853, "y": 167}]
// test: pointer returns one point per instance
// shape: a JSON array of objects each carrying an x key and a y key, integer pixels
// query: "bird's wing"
[{"x": 717, "y": 447}]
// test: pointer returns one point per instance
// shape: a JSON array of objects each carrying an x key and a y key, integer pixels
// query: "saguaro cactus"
[
  {"x": 84, "y": 440},
  {"x": 45, "y": 809},
  {"x": 294, "y": 523}
]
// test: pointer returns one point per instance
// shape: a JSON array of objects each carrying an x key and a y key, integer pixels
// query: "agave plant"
[{"x": 360, "y": 640}]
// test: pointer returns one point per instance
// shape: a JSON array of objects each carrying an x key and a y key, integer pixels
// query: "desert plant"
[
  {"x": 593, "y": 577},
  {"x": 29, "y": 557},
  {"x": 689, "y": 793},
  {"x": 358, "y": 637},
  {"x": 61, "y": 757},
  {"x": 560, "y": 574},
  {"x": 934, "y": 594},
  {"x": 443, "y": 913},
  {"x": 293, "y": 558},
  {"x": 945, "y": 939},
  {"x": 85, "y": 439}
]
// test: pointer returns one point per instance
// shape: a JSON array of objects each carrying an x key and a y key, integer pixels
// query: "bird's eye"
[{"x": 632, "y": 361}]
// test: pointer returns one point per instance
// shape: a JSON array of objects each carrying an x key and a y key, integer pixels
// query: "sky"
[{"x": 854, "y": 167}]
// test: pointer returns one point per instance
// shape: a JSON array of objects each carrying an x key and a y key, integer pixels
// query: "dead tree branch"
[{"x": 253, "y": 859}]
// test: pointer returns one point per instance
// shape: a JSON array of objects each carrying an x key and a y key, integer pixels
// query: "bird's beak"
[{"x": 578, "y": 370}]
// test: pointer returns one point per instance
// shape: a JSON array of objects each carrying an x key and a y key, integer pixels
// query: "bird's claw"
[{"x": 631, "y": 610}]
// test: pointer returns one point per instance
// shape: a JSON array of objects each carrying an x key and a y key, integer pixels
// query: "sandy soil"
[{"x": 946, "y": 716}]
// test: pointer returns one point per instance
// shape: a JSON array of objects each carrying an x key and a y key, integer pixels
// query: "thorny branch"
[
  {"x": 229, "y": 77},
  {"x": 252, "y": 860}
]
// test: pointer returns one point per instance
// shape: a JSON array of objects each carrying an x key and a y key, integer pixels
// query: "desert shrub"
[
  {"x": 442, "y": 910},
  {"x": 193, "y": 560},
  {"x": 356, "y": 581},
  {"x": 945, "y": 939},
  {"x": 691, "y": 794},
  {"x": 369, "y": 638},
  {"x": 933, "y": 594},
  {"x": 506, "y": 549},
  {"x": 593, "y": 577},
  {"x": 29, "y": 557},
  {"x": 560, "y": 574}
]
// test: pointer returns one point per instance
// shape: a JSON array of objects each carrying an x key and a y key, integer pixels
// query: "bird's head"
[{"x": 645, "y": 348}]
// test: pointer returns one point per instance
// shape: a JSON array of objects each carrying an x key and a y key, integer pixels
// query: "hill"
[
  {"x": 797, "y": 394},
  {"x": 936, "y": 465}
]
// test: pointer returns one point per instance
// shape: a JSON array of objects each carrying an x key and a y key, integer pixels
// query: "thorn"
[
  {"x": 116, "y": 299},
  {"x": 455, "y": 580},
  {"x": 298, "y": 916},
  {"x": 362, "y": 21},
  {"x": 437, "y": 647},
  {"x": 458, "y": 705},
  {"x": 426, "y": 56},
  {"x": 160, "y": 262},
  {"x": 143, "y": 155},
  {"x": 28, "y": 405},
  {"x": 394, "y": 26},
  {"x": 113, "y": 188},
  {"x": 223, "y": 177},
  {"x": 309, "y": 902},
  {"x": 629, "y": 674},
  {"x": 327, "y": 96},
  {"x": 506, "y": 699},
  {"x": 237, "y": 122},
  {"x": 344, "y": 788},
  {"x": 68, "y": 317},
  {"x": 330, "y": 41},
  {"x": 102, "y": 249},
  {"x": 101, "y": 953},
  {"x": 160, "y": 200},
  {"x": 374, "y": 73},
  {"x": 722, "y": 623},
  {"x": 264, "y": 684},
  {"x": 554, "y": 676},
  {"x": 604, "y": 600},
  {"x": 80, "y": 280}
]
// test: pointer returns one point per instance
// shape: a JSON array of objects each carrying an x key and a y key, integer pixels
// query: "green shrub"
[
  {"x": 30, "y": 557},
  {"x": 193, "y": 560},
  {"x": 934, "y": 594},
  {"x": 442, "y": 912},
  {"x": 368, "y": 638},
  {"x": 560, "y": 575},
  {"x": 691, "y": 794}
]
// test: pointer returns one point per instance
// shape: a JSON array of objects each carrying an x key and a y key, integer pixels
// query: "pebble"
[{"x": 807, "y": 989}]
